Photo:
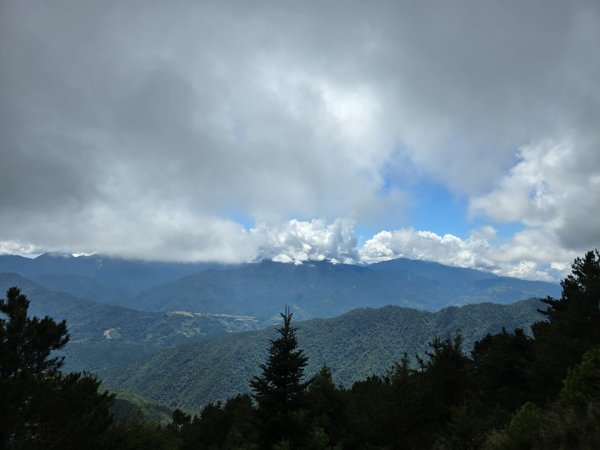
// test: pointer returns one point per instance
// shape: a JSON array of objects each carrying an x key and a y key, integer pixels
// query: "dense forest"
[
  {"x": 354, "y": 346},
  {"x": 511, "y": 391}
]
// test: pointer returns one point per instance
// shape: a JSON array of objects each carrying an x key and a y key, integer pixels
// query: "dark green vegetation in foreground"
[
  {"x": 355, "y": 345},
  {"x": 496, "y": 397},
  {"x": 280, "y": 389},
  {"x": 41, "y": 407}
]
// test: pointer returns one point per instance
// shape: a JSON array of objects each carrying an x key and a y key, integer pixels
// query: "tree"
[
  {"x": 571, "y": 421},
  {"x": 279, "y": 391},
  {"x": 326, "y": 409},
  {"x": 41, "y": 408},
  {"x": 26, "y": 343},
  {"x": 369, "y": 408},
  {"x": 503, "y": 370},
  {"x": 441, "y": 385},
  {"x": 573, "y": 325},
  {"x": 228, "y": 426},
  {"x": 444, "y": 375}
]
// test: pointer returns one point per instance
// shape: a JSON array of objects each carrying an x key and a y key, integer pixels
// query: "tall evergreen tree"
[
  {"x": 442, "y": 384},
  {"x": 25, "y": 342},
  {"x": 280, "y": 390},
  {"x": 326, "y": 408},
  {"x": 573, "y": 325},
  {"x": 502, "y": 370},
  {"x": 41, "y": 408}
]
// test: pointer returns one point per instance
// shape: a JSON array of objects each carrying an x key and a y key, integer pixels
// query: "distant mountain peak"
[{"x": 55, "y": 255}]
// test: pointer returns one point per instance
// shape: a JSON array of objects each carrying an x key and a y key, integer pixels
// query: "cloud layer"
[{"x": 222, "y": 130}]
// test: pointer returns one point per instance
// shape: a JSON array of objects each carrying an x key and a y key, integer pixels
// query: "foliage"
[
  {"x": 355, "y": 345},
  {"x": 127, "y": 405},
  {"x": 489, "y": 398},
  {"x": 572, "y": 421},
  {"x": 42, "y": 408},
  {"x": 573, "y": 326},
  {"x": 105, "y": 336},
  {"x": 280, "y": 390},
  {"x": 326, "y": 413},
  {"x": 503, "y": 363}
]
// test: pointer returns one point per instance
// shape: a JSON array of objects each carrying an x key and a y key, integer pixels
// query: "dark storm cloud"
[{"x": 162, "y": 119}]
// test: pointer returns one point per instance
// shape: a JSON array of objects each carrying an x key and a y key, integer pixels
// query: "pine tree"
[
  {"x": 326, "y": 409},
  {"x": 280, "y": 391},
  {"x": 26, "y": 343},
  {"x": 573, "y": 325},
  {"x": 41, "y": 407}
]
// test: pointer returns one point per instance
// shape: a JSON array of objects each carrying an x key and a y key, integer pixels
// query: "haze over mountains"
[
  {"x": 98, "y": 277},
  {"x": 313, "y": 289},
  {"x": 105, "y": 335}
]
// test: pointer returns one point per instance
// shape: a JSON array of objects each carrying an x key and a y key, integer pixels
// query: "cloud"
[
  {"x": 143, "y": 129},
  {"x": 18, "y": 248},
  {"x": 409, "y": 243},
  {"x": 553, "y": 190},
  {"x": 298, "y": 241},
  {"x": 112, "y": 109},
  {"x": 525, "y": 256}
]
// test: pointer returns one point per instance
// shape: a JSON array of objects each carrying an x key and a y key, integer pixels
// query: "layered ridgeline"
[
  {"x": 322, "y": 289},
  {"x": 313, "y": 289},
  {"x": 97, "y": 277},
  {"x": 104, "y": 335},
  {"x": 357, "y": 344}
]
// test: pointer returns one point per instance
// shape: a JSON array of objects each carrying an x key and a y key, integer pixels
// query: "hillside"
[
  {"x": 355, "y": 345},
  {"x": 97, "y": 277},
  {"x": 104, "y": 335},
  {"x": 314, "y": 289},
  {"x": 322, "y": 289}
]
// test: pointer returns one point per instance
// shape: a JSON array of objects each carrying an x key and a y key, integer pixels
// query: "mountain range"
[
  {"x": 104, "y": 335},
  {"x": 355, "y": 345},
  {"x": 185, "y": 334},
  {"x": 98, "y": 277},
  {"x": 313, "y": 289}
]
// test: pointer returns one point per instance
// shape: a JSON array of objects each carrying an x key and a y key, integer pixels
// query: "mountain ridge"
[
  {"x": 354, "y": 345},
  {"x": 313, "y": 289},
  {"x": 103, "y": 335},
  {"x": 320, "y": 289}
]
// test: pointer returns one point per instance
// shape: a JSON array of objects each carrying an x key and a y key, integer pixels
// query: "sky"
[{"x": 462, "y": 132}]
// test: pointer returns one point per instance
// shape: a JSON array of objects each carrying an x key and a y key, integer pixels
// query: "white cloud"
[
  {"x": 522, "y": 257},
  {"x": 18, "y": 248},
  {"x": 553, "y": 189},
  {"x": 426, "y": 245},
  {"x": 527, "y": 255},
  {"x": 297, "y": 241}
]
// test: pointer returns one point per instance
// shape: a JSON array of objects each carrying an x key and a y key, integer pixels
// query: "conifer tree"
[
  {"x": 280, "y": 390},
  {"x": 41, "y": 407},
  {"x": 573, "y": 325}
]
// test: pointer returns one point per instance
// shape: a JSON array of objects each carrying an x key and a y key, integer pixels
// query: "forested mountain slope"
[
  {"x": 313, "y": 289},
  {"x": 97, "y": 277},
  {"x": 104, "y": 335},
  {"x": 322, "y": 289},
  {"x": 355, "y": 345}
]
